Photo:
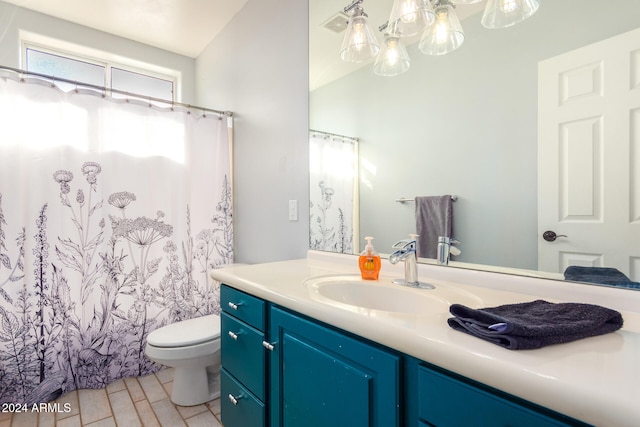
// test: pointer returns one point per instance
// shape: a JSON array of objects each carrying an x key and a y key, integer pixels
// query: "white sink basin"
[{"x": 352, "y": 293}]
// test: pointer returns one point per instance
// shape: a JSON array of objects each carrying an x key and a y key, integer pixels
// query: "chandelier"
[{"x": 435, "y": 20}]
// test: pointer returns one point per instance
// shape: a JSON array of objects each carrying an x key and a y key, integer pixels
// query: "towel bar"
[{"x": 405, "y": 200}]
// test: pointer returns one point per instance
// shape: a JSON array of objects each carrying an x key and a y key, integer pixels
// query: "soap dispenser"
[{"x": 369, "y": 261}]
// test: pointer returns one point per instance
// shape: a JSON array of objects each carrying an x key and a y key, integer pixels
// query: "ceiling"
[{"x": 187, "y": 26}]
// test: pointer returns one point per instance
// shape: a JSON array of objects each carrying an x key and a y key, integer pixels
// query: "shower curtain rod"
[
  {"x": 121, "y": 92},
  {"x": 334, "y": 134}
]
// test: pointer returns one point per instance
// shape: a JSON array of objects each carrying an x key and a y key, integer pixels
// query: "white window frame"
[{"x": 29, "y": 40}]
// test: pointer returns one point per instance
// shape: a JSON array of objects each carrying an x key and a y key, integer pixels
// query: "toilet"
[{"x": 192, "y": 347}]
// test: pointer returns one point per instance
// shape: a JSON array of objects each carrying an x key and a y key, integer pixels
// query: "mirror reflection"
[{"x": 467, "y": 124}]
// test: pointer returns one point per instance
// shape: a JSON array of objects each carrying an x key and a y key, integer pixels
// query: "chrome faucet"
[
  {"x": 406, "y": 251},
  {"x": 445, "y": 249}
]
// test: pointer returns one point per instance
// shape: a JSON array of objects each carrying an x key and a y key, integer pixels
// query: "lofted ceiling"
[{"x": 185, "y": 27}]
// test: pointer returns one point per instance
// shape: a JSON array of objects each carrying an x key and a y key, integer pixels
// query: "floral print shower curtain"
[
  {"x": 112, "y": 215},
  {"x": 333, "y": 193}
]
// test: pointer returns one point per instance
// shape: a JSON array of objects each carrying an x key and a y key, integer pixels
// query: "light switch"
[{"x": 293, "y": 210}]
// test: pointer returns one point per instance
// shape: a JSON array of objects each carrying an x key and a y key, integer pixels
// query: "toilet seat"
[{"x": 186, "y": 333}]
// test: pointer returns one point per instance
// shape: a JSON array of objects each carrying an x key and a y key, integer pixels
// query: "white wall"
[
  {"x": 465, "y": 124},
  {"x": 258, "y": 68},
  {"x": 14, "y": 18}
]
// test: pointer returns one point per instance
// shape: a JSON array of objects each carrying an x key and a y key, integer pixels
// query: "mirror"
[{"x": 463, "y": 124}]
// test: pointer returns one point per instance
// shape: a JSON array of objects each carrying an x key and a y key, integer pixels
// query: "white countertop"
[{"x": 596, "y": 380}]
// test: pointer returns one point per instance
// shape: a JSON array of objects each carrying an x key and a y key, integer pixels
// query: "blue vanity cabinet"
[
  {"x": 243, "y": 359},
  {"x": 322, "y": 377},
  {"x": 283, "y": 369}
]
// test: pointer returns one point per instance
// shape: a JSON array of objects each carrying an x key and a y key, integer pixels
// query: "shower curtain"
[
  {"x": 333, "y": 193},
  {"x": 112, "y": 215}
]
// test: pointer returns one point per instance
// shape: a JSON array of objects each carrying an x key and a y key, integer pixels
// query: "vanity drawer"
[
  {"x": 243, "y": 306},
  {"x": 237, "y": 405},
  {"x": 243, "y": 354},
  {"x": 446, "y": 401}
]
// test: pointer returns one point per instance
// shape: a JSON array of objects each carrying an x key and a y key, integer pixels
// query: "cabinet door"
[
  {"x": 321, "y": 377},
  {"x": 445, "y": 401}
]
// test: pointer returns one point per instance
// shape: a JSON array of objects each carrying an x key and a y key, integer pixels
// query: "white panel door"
[{"x": 589, "y": 156}]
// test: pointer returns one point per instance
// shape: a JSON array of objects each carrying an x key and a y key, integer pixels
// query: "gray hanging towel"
[{"x": 434, "y": 218}]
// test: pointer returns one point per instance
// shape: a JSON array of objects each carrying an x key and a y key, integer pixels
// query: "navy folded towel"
[
  {"x": 604, "y": 275},
  {"x": 600, "y": 275},
  {"x": 535, "y": 324}
]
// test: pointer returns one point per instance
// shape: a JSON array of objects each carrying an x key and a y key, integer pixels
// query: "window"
[
  {"x": 66, "y": 68},
  {"x": 130, "y": 81},
  {"x": 103, "y": 74}
]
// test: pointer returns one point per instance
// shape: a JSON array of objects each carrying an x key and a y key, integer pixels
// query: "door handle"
[{"x": 551, "y": 236}]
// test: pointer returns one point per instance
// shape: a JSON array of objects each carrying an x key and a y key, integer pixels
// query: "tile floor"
[{"x": 129, "y": 402}]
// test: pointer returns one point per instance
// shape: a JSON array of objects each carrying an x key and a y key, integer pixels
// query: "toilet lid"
[{"x": 186, "y": 332}]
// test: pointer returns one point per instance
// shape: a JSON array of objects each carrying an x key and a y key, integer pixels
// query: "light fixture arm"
[
  {"x": 353, "y": 4},
  {"x": 437, "y": 3}
]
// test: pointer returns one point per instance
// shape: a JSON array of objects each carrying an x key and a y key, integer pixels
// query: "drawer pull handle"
[
  {"x": 234, "y": 336},
  {"x": 234, "y": 306},
  {"x": 234, "y": 399},
  {"x": 269, "y": 346}
]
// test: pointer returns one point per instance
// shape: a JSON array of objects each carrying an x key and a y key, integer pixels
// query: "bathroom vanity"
[{"x": 301, "y": 345}]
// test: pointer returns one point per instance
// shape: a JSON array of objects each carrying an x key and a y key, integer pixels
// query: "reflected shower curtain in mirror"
[
  {"x": 112, "y": 215},
  {"x": 333, "y": 172}
]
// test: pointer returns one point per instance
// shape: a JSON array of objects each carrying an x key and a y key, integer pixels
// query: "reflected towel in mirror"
[
  {"x": 600, "y": 275},
  {"x": 434, "y": 218}
]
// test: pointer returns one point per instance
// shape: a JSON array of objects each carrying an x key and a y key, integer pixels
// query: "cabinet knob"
[
  {"x": 234, "y": 399},
  {"x": 234, "y": 306},
  {"x": 234, "y": 336},
  {"x": 269, "y": 346}
]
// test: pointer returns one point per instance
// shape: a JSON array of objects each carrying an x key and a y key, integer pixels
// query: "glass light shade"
[
  {"x": 359, "y": 42},
  {"x": 393, "y": 58},
  {"x": 410, "y": 17},
  {"x": 505, "y": 13},
  {"x": 465, "y": 1},
  {"x": 444, "y": 35}
]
